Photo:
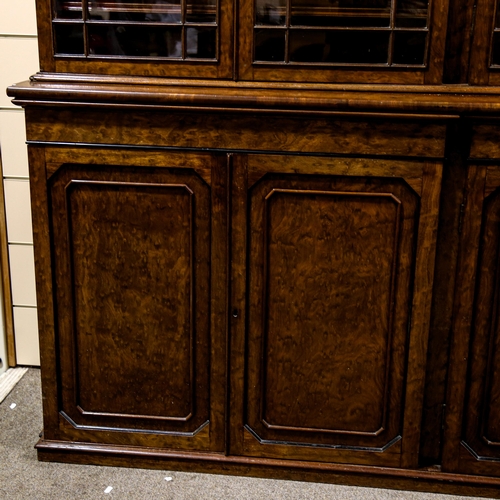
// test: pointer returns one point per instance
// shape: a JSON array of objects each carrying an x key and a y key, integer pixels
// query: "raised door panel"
[
  {"x": 473, "y": 430},
  {"x": 331, "y": 284},
  {"x": 132, "y": 260},
  {"x": 133, "y": 266}
]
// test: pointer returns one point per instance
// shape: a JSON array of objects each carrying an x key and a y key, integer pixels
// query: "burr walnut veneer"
[{"x": 267, "y": 238}]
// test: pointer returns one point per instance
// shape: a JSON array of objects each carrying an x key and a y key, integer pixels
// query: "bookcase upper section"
[{"x": 311, "y": 41}]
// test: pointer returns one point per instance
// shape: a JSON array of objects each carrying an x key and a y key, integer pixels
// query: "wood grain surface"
[
  {"x": 133, "y": 270},
  {"x": 428, "y": 103},
  {"x": 326, "y": 332},
  {"x": 473, "y": 431},
  {"x": 485, "y": 141},
  {"x": 132, "y": 298},
  {"x": 447, "y": 248},
  {"x": 236, "y": 261},
  {"x": 479, "y": 64},
  {"x": 458, "y": 42},
  {"x": 126, "y": 269},
  {"x": 315, "y": 376},
  {"x": 230, "y": 132}
]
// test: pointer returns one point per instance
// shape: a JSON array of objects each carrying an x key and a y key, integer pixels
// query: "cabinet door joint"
[
  {"x": 443, "y": 415},
  {"x": 461, "y": 217}
]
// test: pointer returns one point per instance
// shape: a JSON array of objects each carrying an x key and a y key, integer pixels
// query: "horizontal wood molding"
[
  {"x": 439, "y": 101},
  {"x": 355, "y": 475}
]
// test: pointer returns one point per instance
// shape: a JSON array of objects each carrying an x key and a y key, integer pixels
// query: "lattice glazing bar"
[
  {"x": 173, "y": 29},
  {"x": 362, "y": 32}
]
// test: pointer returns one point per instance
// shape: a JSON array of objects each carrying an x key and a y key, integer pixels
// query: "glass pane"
[
  {"x": 412, "y": 13},
  {"x": 353, "y": 13},
  {"x": 270, "y": 45},
  {"x": 497, "y": 17},
  {"x": 201, "y": 11},
  {"x": 68, "y": 10},
  {"x": 200, "y": 43},
  {"x": 270, "y": 12},
  {"x": 69, "y": 38},
  {"x": 409, "y": 47},
  {"x": 357, "y": 47},
  {"x": 136, "y": 11},
  {"x": 309, "y": 46},
  {"x": 495, "y": 50},
  {"x": 139, "y": 41}
]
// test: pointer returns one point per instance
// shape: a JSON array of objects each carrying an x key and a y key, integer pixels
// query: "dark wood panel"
[
  {"x": 421, "y": 310},
  {"x": 437, "y": 42},
  {"x": 494, "y": 78},
  {"x": 200, "y": 162},
  {"x": 472, "y": 432},
  {"x": 237, "y": 302},
  {"x": 44, "y": 275},
  {"x": 132, "y": 259},
  {"x": 256, "y": 447},
  {"x": 410, "y": 171},
  {"x": 44, "y": 31},
  {"x": 485, "y": 142},
  {"x": 256, "y": 73},
  {"x": 316, "y": 244},
  {"x": 452, "y": 195},
  {"x": 134, "y": 262},
  {"x": 482, "y": 407},
  {"x": 462, "y": 316},
  {"x": 479, "y": 65},
  {"x": 219, "y": 282},
  {"x": 185, "y": 130},
  {"x": 326, "y": 251},
  {"x": 329, "y": 294},
  {"x": 458, "y": 41},
  {"x": 132, "y": 250}
]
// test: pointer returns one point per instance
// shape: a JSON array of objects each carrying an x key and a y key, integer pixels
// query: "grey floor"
[{"x": 23, "y": 477}]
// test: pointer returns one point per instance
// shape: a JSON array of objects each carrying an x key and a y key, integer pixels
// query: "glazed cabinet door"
[
  {"x": 137, "y": 244},
  {"x": 181, "y": 38},
  {"x": 337, "y": 265},
  {"x": 473, "y": 415},
  {"x": 363, "y": 41},
  {"x": 485, "y": 46}
]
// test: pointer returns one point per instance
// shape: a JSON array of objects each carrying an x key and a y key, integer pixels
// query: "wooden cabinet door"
[
  {"x": 137, "y": 248},
  {"x": 338, "y": 277},
  {"x": 472, "y": 434}
]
